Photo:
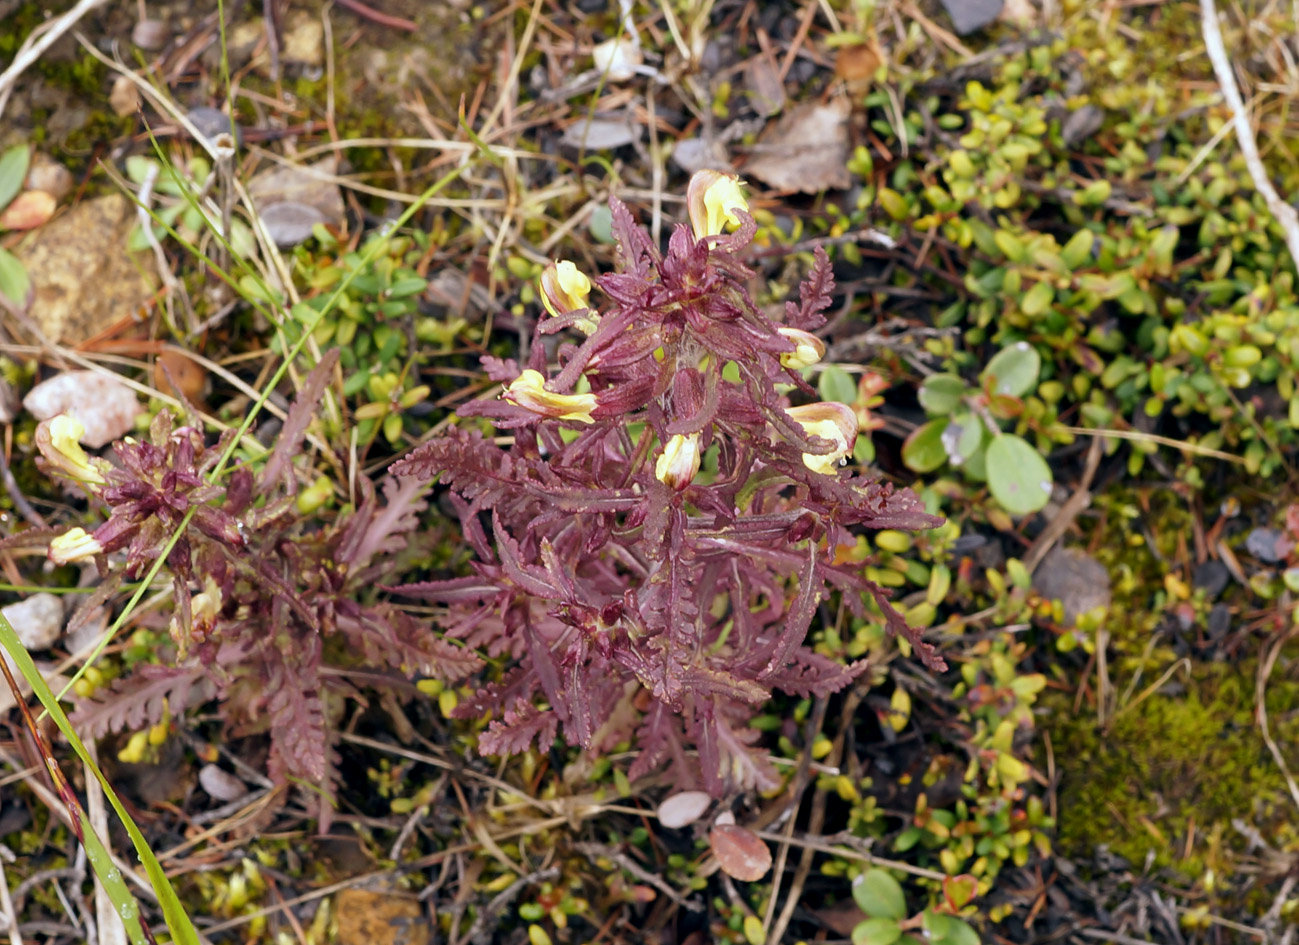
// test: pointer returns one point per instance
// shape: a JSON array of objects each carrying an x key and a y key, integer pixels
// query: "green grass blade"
[{"x": 178, "y": 921}]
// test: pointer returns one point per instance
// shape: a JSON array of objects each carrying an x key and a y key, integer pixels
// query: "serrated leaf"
[
  {"x": 923, "y": 450},
  {"x": 1018, "y": 477},
  {"x": 940, "y": 393},
  {"x": 13, "y": 171},
  {"x": 14, "y": 282},
  {"x": 879, "y": 895},
  {"x": 1012, "y": 371},
  {"x": 836, "y": 385}
]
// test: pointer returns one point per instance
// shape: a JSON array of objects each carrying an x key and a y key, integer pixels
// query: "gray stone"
[{"x": 970, "y": 15}]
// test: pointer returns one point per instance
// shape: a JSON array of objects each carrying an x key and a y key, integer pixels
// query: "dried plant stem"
[
  {"x": 40, "y": 40},
  {"x": 1284, "y": 214}
]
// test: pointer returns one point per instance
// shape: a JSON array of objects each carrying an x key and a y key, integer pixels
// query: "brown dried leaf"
[
  {"x": 28, "y": 211},
  {"x": 766, "y": 90},
  {"x": 806, "y": 151},
  {"x": 740, "y": 852}
]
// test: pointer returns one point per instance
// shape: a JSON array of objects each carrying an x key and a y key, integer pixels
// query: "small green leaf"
[
  {"x": 962, "y": 437},
  {"x": 13, "y": 171},
  {"x": 880, "y": 931},
  {"x": 14, "y": 283},
  {"x": 923, "y": 450},
  {"x": 948, "y": 930},
  {"x": 1037, "y": 299},
  {"x": 940, "y": 393},
  {"x": 879, "y": 895},
  {"x": 1079, "y": 248},
  {"x": 836, "y": 385},
  {"x": 1012, "y": 370},
  {"x": 1018, "y": 477}
]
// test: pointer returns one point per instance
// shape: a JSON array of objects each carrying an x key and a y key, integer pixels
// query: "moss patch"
[{"x": 1171, "y": 765}]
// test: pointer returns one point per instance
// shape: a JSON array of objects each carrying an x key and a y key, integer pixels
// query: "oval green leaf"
[
  {"x": 14, "y": 282},
  {"x": 881, "y": 931},
  {"x": 836, "y": 385},
  {"x": 13, "y": 171},
  {"x": 1012, "y": 370},
  {"x": 878, "y": 895},
  {"x": 940, "y": 393},
  {"x": 1037, "y": 299},
  {"x": 1018, "y": 477},
  {"x": 923, "y": 450}
]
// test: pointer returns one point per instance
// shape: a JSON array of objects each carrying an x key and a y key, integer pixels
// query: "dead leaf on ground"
[
  {"x": 857, "y": 62},
  {"x": 740, "y": 852},
  {"x": 766, "y": 90},
  {"x": 28, "y": 210},
  {"x": 806, "y": 151}
]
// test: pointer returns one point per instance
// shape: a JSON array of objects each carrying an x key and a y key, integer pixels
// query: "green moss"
[{"x": 1173, "y": 767}]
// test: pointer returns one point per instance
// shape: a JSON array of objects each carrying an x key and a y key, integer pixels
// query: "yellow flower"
[
  {"x": 808, "y": 348},
  {"x": 74, "y": 545},
  {"x": 59, "y": 440},
  {"x": 711, "y": 200},
  {"x": 528, "y": 391},
  {"x": 832, "y": 421},
  {"x": 679, "y": 461},
  {"x": 565, "y": 288}
]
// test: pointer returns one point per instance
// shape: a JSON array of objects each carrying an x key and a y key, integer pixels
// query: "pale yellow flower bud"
[
  {"x": 565, "y": 288},
  {"x": 528, "y": 391},
  {"x": 74, "y": 545},
  {"x": 808, "y": 348},
  {"x": 711, "y": 200},
  {"x": 58, "y": 439},
  {"x": 679, "y": 462},
  {"x": 832, "y": 421}
]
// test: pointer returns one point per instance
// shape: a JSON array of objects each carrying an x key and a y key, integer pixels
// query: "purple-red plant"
[
  {"x": 631, "y": 595},
  {"x": 273, "y": 609}
]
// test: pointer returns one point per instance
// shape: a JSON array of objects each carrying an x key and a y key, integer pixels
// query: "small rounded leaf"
[
  {"x": 879, "y": 895},
  {"x": 1012, "y": 370},
  {"x": 1018, "y": 477},
  {"x": 879, "y": 931},
  {"x": 923, "y": 451},
  {"x": 740, "y": 852},
  {"x": 836, "y": 385},
  {"x": 940, "y": 393},
  {"x": 683, "y": 808}
]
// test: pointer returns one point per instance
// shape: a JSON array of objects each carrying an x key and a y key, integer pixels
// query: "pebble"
[
  {"x": 970, "y": 15},
  {"x": 38, "y": 620},
  {"x": 1265, "y": 544},
  {"x": 105, "y": 406},
  {"x": 220, "y": 784},
  {"x": 1074, "y": 578},
  {"x": 683, "y": 808}
]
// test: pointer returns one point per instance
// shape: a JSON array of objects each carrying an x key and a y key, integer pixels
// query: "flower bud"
[
  {"x": 711, "y": 200},
  {"x": 74, "y": 545},
  {"x": 565, "y": 288},
  {"x": 58, "y": 439},
  {"x": 808, "y": 348},
  {"x": 679, "y": 462},
  {"x": 529, "y": 392},
  {"x": 832, "y": 421}
]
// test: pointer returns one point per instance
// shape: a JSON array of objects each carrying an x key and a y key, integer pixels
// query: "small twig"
[
  {"x": 1285, "y": 215},
  {"x": 485, "y": 924},
  {"x": 7, "y": 908},
  {"x": 1260, "y": 712},
  {"x": 24, "y": 507},
  {"x": 376, "y": 16},
  {"x": 32, "y": 48},
  {"x": 594, "y": 850}
]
